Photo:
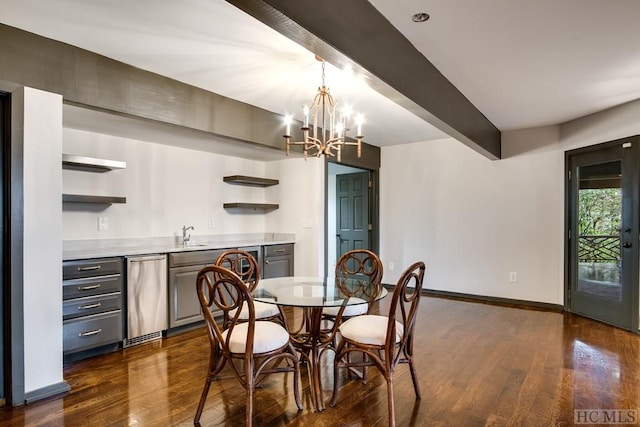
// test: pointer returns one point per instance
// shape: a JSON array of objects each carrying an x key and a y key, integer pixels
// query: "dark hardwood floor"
[{"x": 479, "y": 365}]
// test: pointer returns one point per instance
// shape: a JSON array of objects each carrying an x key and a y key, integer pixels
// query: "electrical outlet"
[
  {"x": 212, "y": 223},
  {"x": 103, "y": 223},
  {"x": 513, "y": 276}
]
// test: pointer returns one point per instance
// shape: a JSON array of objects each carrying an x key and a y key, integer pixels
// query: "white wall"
[
  {"x": 301, "y": 197},
  {"x": 42, "y": 251},
  {"x": 473, "y": 220},
  {"x": 168, "y": 187}
]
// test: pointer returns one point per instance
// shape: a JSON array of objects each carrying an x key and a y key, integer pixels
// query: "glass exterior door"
[{"x": 603, "y": 225}]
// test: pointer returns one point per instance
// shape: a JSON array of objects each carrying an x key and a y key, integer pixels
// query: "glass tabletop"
[{"x": 298, "y": 291}]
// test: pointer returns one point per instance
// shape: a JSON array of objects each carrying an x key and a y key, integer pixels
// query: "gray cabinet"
[
  {"x": 92, "y": 306},
  {"x": 184, "y": 307},
  {"x": 277, "y": 261}
]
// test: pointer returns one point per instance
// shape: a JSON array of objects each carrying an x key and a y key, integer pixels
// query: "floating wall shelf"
[
  {"x": 81, "y": 198},
  {"x": 250, "y": 180},
  {"x": 254, "y": 206},
  {"x": 91, "y": 163}
]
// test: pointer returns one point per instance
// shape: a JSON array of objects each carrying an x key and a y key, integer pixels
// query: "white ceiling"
[{"x": 522, "y": 63}]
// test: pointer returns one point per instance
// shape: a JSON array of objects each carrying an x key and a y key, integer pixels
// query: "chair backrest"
[
  {"x": 219, "y": 288},
  {"x": 359, "y": 266},
  {"x": 243, "y": 264},
  {"x": 404, "y": 309}
]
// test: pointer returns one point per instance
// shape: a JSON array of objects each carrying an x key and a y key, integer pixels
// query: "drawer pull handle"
[
  {"x": 91, "y": 268},
  {"x": 278, "y": 250},
  {"x": 267, "y": 262},
  {"x": 89, "y": 333},
  {"x": 89, "y": 306},
  {"x": 89, "y": 287}
]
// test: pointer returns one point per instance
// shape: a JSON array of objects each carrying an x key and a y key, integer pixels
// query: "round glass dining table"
[
  {"x": 302, "y": 291},
  {"x": 313, "y": 294}
]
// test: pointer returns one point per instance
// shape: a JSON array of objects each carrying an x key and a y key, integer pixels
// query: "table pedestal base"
[{"x": 312, "y": 343}]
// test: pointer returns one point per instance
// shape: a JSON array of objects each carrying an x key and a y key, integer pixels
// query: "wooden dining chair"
[
  {"x": 246, "y": 267},
  {"x": 384, "y": 341},
  {"x": 353, "y": 267},
  {"x": 251, "y": 348}
]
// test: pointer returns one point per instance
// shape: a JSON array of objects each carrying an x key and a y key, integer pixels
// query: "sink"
[{"x": 197, "y": 244}]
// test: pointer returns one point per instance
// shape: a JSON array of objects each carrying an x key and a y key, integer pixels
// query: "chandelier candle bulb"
[
  {"x": 287, "y": 121},
  {"x": 306, "y": 116}
]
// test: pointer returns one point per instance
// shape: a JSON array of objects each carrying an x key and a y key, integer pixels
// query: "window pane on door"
[{"x": 599, "y": 223}]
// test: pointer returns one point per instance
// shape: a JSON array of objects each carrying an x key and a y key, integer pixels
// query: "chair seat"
[
  {"x": 262, "y": 309},
  {"x": 354, "y": 309},
  {"x": 369, "y": 329},
  {"x": 269, "y": 336}
]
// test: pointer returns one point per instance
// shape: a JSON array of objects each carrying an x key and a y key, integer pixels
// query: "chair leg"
[
  {"x": 249, "y": 406},
  {"x": 392, "y": 412},
  {"x": 296, "y": 377},
  {"x": 203, "y": 398},
  {"x": 414, "y": 377},
  {"x": 365, "y": 359},
  {"x": 336, "y": 361}
]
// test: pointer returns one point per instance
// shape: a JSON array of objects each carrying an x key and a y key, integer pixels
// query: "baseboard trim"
[
  {"x": 506, "y": 302},
  {"x": 483, "y": 299},
  {"x": 48, "y": 391}
]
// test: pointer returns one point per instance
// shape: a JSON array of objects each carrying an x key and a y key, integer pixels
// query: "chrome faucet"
[{"x": 185, "y": 237}]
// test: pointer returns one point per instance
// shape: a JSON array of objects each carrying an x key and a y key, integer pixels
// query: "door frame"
[
  {"x": 635, "y": 200},
  {"x": 374, "y": 206}
]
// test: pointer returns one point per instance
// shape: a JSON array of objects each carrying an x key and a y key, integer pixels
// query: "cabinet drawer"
[
  {"x": 92, "y": 331},
  {"x": 278, "y": 250},
  {"x": 91, "y": 305},
  {"x": 181, "y": 259},
  {"x": 91, "y": 267},
  {"x": 78, "y": 288},
  {"x": 278, "y": 266}
]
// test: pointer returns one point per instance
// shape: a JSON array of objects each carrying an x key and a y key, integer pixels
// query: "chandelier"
[{"x": 328, "y": 133}]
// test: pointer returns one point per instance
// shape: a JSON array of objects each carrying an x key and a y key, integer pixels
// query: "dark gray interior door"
[
  {"x": 603, "y": 233},
  {"x": 352, "y": 216},
  {"x": 4, "y": 143}
]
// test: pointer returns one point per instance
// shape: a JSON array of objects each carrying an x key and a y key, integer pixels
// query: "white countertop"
[{"x": 101, "y": 248}]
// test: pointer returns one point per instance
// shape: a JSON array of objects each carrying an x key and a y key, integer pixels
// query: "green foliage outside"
[{"x": 599, "y": 212}]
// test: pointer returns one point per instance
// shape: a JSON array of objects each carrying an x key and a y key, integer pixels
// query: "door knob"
[{"x": 626, "y": 245}]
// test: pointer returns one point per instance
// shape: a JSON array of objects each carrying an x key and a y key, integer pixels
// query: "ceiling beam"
[
  {"x": 89, "y": 80},
  {"x": 353, "y": 33}
]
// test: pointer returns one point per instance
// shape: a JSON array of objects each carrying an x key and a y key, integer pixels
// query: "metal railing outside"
[{"x": 599, "y": 249}]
